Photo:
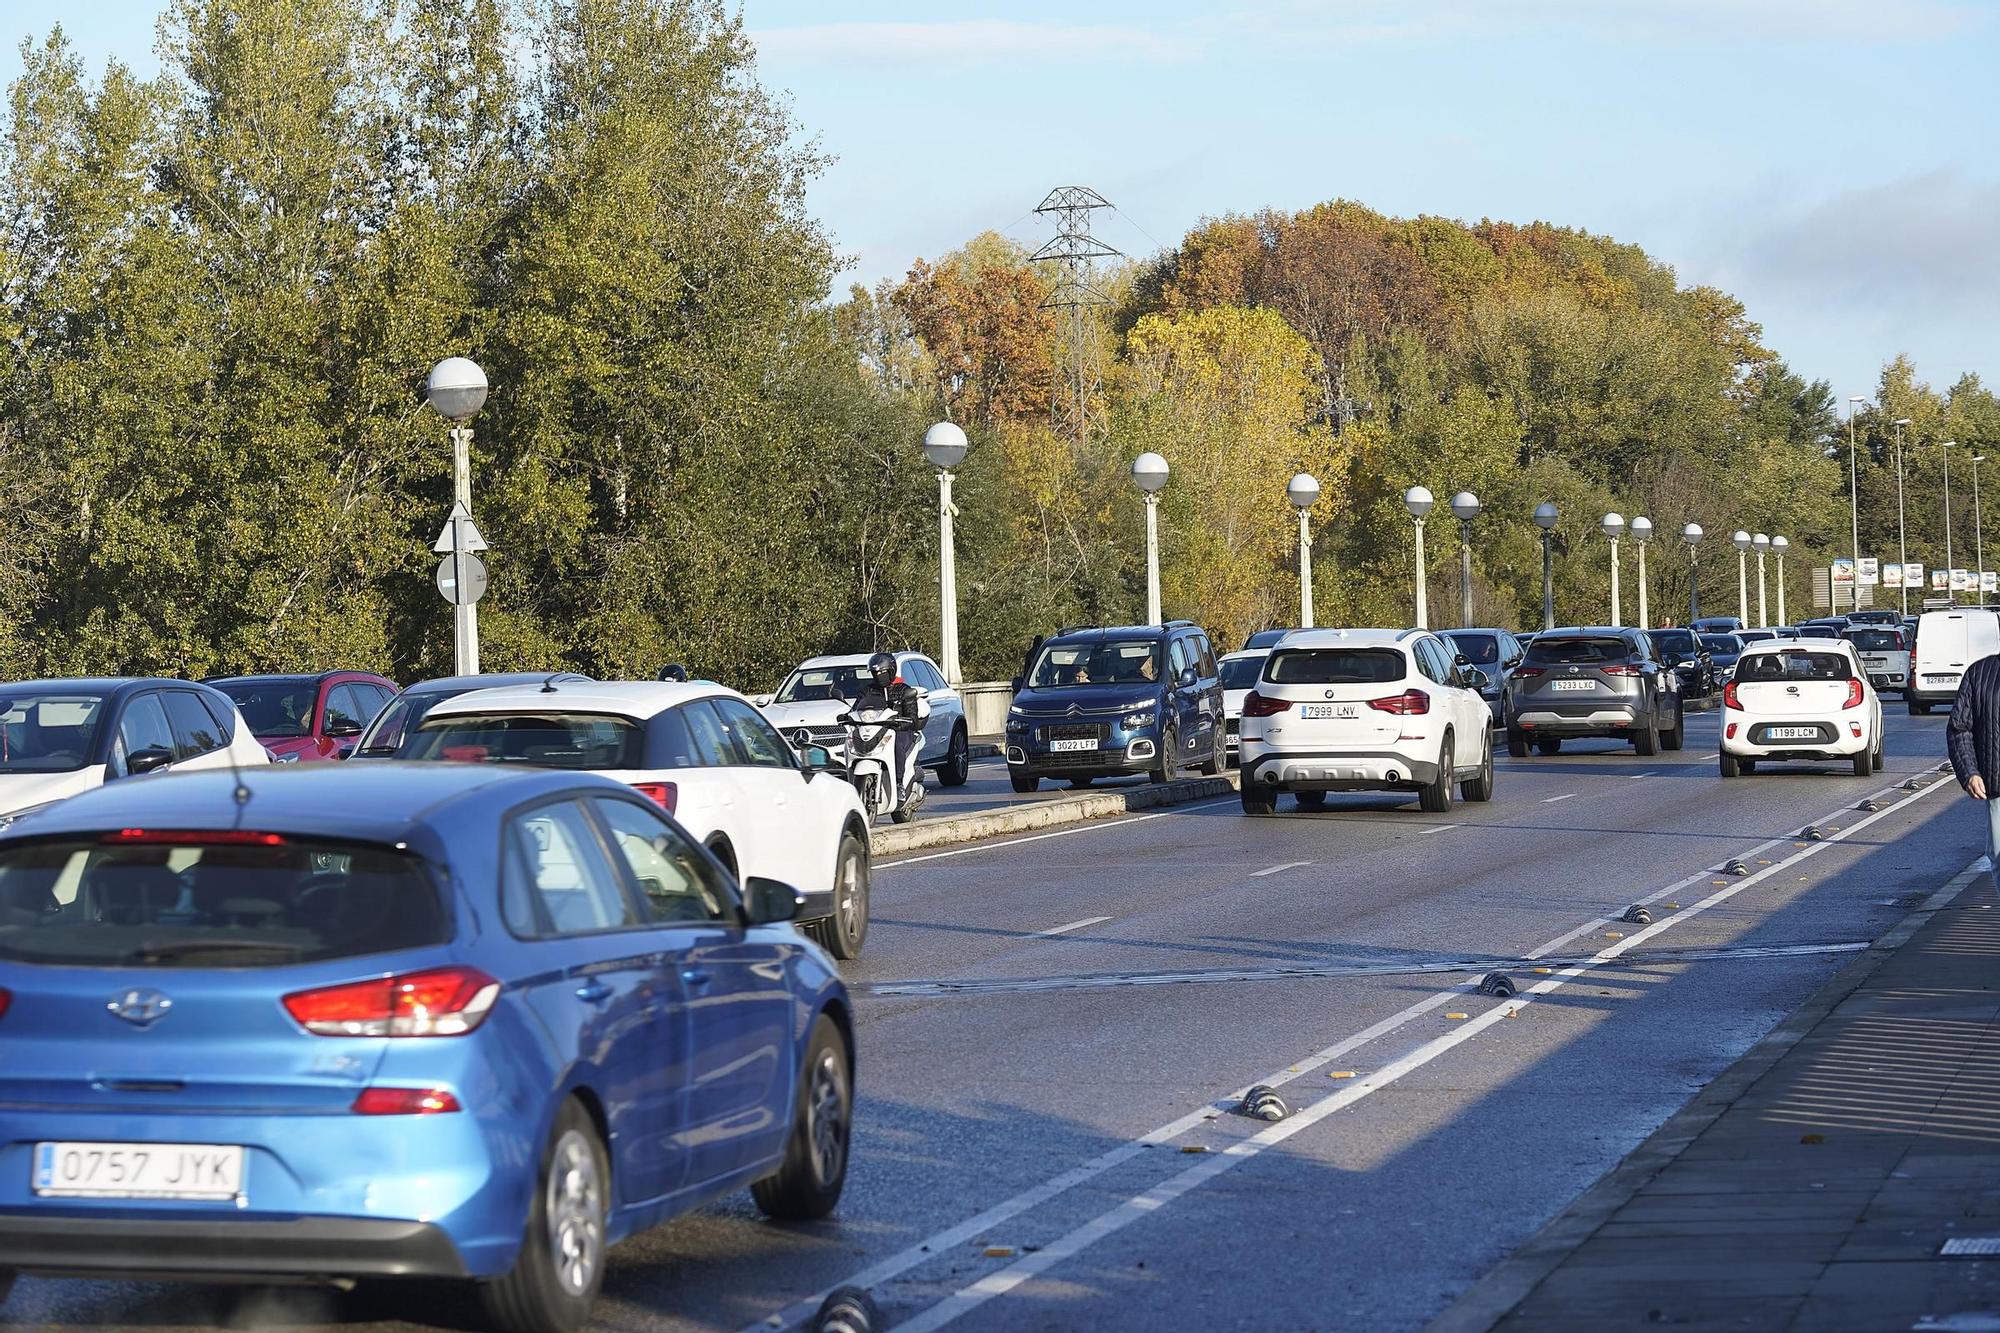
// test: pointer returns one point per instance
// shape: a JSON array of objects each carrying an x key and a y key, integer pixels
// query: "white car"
[
  {"x": 1947, "y": 643},
  {"x": 707, "y": 757},
  {"x": 59, "y": 738},
  {"x": 804, "y": 708},
  {"x": 1239, "y": 676},
  {"x": 1365, "y": 710},
  {"x": 1800, "y": 699},
  {"x": 1885, "y": 653}
]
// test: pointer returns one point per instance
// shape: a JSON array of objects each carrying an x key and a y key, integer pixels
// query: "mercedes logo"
[
  {"x": 140, "y": 1008},
  {"x": 802, "y": 738}
]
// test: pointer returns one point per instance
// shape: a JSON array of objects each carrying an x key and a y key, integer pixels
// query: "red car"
[{"x": 308, "y": 717}]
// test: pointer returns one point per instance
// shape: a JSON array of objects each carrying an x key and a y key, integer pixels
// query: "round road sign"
[{"x": 475, "y": 579}]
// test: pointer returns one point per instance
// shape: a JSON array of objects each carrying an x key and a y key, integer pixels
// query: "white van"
[{"x": 1947, "y": 643}]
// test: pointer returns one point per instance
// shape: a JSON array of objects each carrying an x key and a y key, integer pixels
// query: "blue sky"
[{"x": 1833, "y": 162}]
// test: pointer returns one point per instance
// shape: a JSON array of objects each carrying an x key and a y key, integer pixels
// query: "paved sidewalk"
[{"x": 1813, "y": 1186}]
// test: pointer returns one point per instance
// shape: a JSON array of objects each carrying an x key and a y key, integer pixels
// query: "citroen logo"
[
  {"x": 1075, "y": 711},
  {"x": 141, "y": 1008}
]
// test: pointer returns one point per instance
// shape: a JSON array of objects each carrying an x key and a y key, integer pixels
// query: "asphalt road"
[
  {"x": 1053, "y": 1027},
  {"x": 988, "y": 789}
]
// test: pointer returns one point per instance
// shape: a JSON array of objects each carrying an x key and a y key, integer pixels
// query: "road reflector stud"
[
  {"x": 1638, "y": 915},
  {"x": 1341, "y": 1073},
  {"x": 1871, "y": 805},
  {"x": 1192, "y": 1147},
  {"x": 999, "y": 1251},
  {"x": 1812, "y": 1138},
  {"x": 1497, "y": 983},
  {"x": 1735, "y": 867},
  {"x": 1718, "y": 882},
  {"x": 1614, "y": 934},
  {"x": 1674, "y": 907},
  {"x": 848, "y": 1310},
  {"x": 1261, "y": 1103},
  {"x": 1454, "y": 1016},
  {"x": 1545, "y": 970},
  {"x": 1811, "y": 833},
  {"x": 1913, "y": 785}
]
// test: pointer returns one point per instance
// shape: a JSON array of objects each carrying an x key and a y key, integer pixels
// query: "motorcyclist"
[{"x": 886, "y": 691}]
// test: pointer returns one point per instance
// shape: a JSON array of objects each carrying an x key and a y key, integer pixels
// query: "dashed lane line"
[
  {"x": 1074, "y": 925},
  {"x": 1272, "y": 870},
  {"x": 1553, "y": 799}
]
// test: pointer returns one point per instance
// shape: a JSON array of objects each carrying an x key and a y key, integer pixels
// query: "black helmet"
[
  {"x": 673, "y": 671},
  {"x": 882, "y": 666}
]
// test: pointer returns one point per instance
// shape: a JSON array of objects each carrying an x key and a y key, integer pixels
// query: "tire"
[
  {"x": 1481, "y": 787},
  {"x": 1024, "y": 782},
  {"x": 1673, "y": 740},
  {"x": 1435, "y": 799},
  {"x": 1731, "y": 766},
  {"x": 1645, "y": 741},
  {"x": 1917, "y": 709},
  {"x": 843, "y": 933},
  {"x": 1517, "y": 743},
  {"x": 957, "y": 766},
  {"x": 550, "y": 1289},
  {"x": 1550, "y": 745},
  {"x": 1747, "y": 765},
  {"x": 1259, "y": 799},
  {"x": 808, "y": 1185},
  {"x": 6, "y": 1283},
  {"x": 1078, "y": 784},
  {"x": 1864, "y": 763},
  {"x": 1217, "y": 760},
  {"x": 1169, "y": 752},
  {"x": 1310, "y": 800}
]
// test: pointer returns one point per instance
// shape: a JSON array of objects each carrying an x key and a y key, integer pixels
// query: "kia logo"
[{"x": 141, "y": 1008}]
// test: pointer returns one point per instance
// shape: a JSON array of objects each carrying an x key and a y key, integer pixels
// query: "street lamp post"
[
  {"x": 1949, "y": 563},
  {"x": 1466, "y": 506},
  {"x": 456, "y": 390},
  {"x": 1303, "y": 492},
  {"x": 1642, "y": 532},
  {"x": 1692, "y": 534},
  {"x": 1149, "y": 474},
  {"x": 1778, "y": 548},
  {"x": 1613, "y": 527},
  {"x": 944, "y": 445},
  {"x": 1853, "y": 506},
  {"x": 1760, "y": 543},
  {"x": 1418, "y": 501},
  {"x": 1545, "y": 519},
  {"x": 1902, "y": 531},
  {"x": 1978, "y": 530},
  {"x": 1741, "y": 541}
]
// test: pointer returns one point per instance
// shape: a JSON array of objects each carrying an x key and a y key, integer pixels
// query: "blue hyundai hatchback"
[{"x": 421, "y": 1020}]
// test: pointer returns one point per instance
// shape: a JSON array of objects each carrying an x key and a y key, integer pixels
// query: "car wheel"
[
  {"x": 1024, "y": 782},
  {"x": 842, "y": 933},
  {"x": 6, "y": 1283},
  {"x": 1258, "y": 799},
  {"x": 1550, "y": 745},
  {"x": 1917, "y": 709},
  {"x": 1078, "y": 784},
  {"x": 1731, "y": 766},
  {"x": 1212, "y": 766},
  {"x": 1436, "y": 796},
  {"x": 1310, "y": 800},
  {"x": 1170, "y": 752},
  {"x": 808, "y": 1185},
  {"x": 1747, "y": 765},
  {"x": 1645, "y": 741},
  {"x": 1864, "y": 763},
  {"x": 1673, "y": 740},
  {"x": 1481, "y": 787},
  {"x": 1517, "y": 743},
  {"x": 560, "y": 1266},
  {"x": 957, "y": 765}
]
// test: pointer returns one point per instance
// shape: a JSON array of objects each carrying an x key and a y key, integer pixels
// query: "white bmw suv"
[{"x": 1365, "y": 710}]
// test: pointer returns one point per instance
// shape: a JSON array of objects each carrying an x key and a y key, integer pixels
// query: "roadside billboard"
[
  {"x": 1961, "y": 580},
  {"x": 1913, "y": 575},
  {"x": 1871, "y": 571},
  {"x": 1940, "y": 580},
  {"x": 1843, "y": 572},
  {"x": 1892, "y": 574}
]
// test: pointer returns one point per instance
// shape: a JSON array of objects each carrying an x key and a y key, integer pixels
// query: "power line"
[{"x": 1076, "y": 252}]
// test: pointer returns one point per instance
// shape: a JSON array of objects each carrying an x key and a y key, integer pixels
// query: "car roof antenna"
[{"x": 549, "y": 685}]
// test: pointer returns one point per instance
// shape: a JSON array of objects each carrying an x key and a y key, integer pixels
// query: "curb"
[
  {"x": 1493, "y": 1297},
  {"x": 980, "y": 824}
]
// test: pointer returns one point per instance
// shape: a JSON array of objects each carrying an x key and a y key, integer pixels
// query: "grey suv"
[{"x": 1592, "y": 682}]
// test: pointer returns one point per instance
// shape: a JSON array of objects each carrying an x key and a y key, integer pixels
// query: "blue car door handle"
[
  {"x": 695, "y": 976},
  {"x": 593, "y": 992}
]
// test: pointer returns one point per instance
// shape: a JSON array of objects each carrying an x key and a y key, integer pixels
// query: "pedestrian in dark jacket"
[{"x": 1973, "y": 739}]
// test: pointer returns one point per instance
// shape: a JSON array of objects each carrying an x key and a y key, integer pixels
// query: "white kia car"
[
  {"x": 62, "y": 737},
  {"x": 1239, "y": 676},
  {"x": 1365, "y": 710},
  {"x": 706, "y": 756},
  {"x": 817, "y": 692},
  {"x": 1800, "y": 699}
]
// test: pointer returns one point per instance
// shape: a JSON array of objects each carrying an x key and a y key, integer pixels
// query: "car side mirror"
[
  {"x": 762, "y": 700},
  {"x": 341, "y": 728},
  {"x": 816, "y": 758},
  {"x": 769, "y": 901},
  {"x": 1475, "y": 679},
  {"x": 148, "y": 760},
  {"x": 1015, "y": 684},
  {"x": 1188, "y": 678}
]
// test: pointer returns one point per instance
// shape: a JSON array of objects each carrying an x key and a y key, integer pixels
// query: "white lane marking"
[
  {"x": 1272, "y": 870},
  {"x": 1006, "y": 1210},
  {"x": 1553, "y": 799},
  {"x": 1440, "y": 828},
  {"x": 1635, "y": 776},
  {"x": 1152, "y": 1200},
  {"x": 1074, "y": 925},
  {"x": 1090, "y": 827}
]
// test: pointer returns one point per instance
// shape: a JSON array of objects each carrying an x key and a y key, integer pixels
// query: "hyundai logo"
[{"x": 141, "y": 1008}]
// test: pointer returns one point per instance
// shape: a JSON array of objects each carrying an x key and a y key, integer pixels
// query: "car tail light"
[
  {"x": 1854, "y": 728},
  {"x": 1853, "y": 692},
  {"x": 442, "y": 1002},
  {"x": 666, "y": 795},
  {"x": 1527, "y": 673},
  {"x": 1404, "y": 704},
  {"x": 1729, "y": 697},
  {"x": 1620, "y": 669},
  {"x": 404, "y": 1101},
  {"x": 175, "y": 837},
  {"x": 1729, "y": 732},
  {"x": 6, "y": 998},
  {"x": 1259, "y": 705}
]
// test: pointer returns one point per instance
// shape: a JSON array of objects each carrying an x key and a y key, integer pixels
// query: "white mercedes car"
[
  {"x": 706, "y": 756},
  {"x": 1794, "y": 699},
  {"x": 817, "y": 692},
  {"x": 1365, "y": 710}
]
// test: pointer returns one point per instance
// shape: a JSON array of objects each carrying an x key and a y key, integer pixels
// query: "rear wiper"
[{"x": 159, "y": 953}]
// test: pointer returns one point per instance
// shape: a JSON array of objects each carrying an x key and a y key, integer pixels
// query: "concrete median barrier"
[{"x": 1032, "y": 815}]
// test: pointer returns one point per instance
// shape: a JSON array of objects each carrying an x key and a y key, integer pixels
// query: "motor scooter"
[{"x": 870, "y": 760}]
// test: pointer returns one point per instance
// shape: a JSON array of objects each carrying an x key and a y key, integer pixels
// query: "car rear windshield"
[
  {"x": 1722, "y": 643},
  {"x": 1336, "y": 666},
  {"x": 48, "y": 731},
  {"x": 1240, "y": 673},
  {"x": 831, "y": 682},
  {"x": 546, "y": 740},
  {"x": 128, "y": 900},
  {"x": 1756, "y": 635},
  {"x": 1671, "y": 640},
  {"x": 1876, "y": 640},
  {"x": 1120, "y": 662},
  {"x": 1479, "y": 649},
  {"x": 274, "y": 708},
  {"x": 1577, "y": 651},
  {"x": 1792, "y": 664}
]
